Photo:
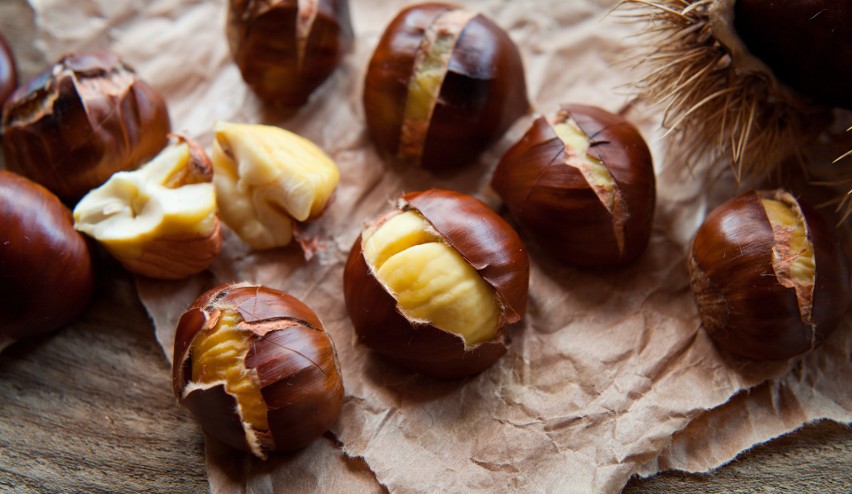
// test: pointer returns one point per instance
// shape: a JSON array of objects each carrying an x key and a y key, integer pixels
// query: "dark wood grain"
[{"x": 90, "y": 408}]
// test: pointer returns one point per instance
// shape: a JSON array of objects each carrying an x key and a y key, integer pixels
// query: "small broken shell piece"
[
  {"x": 159, "y": 221},
  {"x": 268, "y": 178}
]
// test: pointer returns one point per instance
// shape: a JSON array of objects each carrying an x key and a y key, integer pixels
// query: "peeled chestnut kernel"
[
  {"x": 442, "y": 84},
  {"x": 45, "y": 267},
  {"x": 432, "y": 284},
  {"x": 267, "y": 179},
  {"x": 770, "y": 279},
  {"x": 80, "y": 121},
  {"x": 159, "y": 221},
  {"x": 582, "y": 185},
  {"x": 8, "y": 72},
  {"x": 286, "y": 48},
  {"x": 256, "y": 369}
]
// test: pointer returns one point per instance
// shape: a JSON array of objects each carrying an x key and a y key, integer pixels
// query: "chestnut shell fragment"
[
  {"x": 78, "y": 122},
  {"x": 487, "y": 243},
  {"x": 743, "y": 306},
  {"x": 279, "y": 68},
  {"x": 555, "y": 204},
  {"x": 806, "y": 43},
  {"x": 291, "y": 358},
  {"x": 483, "y": 93},
  {"x": 46, "y": 272}
]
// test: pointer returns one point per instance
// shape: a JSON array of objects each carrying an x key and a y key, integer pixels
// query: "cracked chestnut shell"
[
  {"x": 487, "y": 248},
  {"x": 770, "y": 279},
  {"x": 582, "y": 185},
  {"x": 83, "y": 119},
  {"x": 256, "y": 369},
  {"x": 46, "y": 273},
  {"x": 442, "y": 84},
  {"x": 286, "y": 48}
]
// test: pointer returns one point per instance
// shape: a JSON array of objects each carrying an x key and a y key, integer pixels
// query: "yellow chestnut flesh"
[
  {"x": 431, "y": 282},
  {"x": 266, "y": 179},
  {"x": 219, "y": 356},
  {"x": 793, "y": 253}
]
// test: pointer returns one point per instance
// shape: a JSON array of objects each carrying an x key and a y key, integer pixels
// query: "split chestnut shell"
[
  {"x": 256, "y": 369},
  {"x": 491, "y": 256},
  {"x": 770, "y": 280},
  {"x": 587, "y": 207},
  {"x": 286, "y": 48},
  {"x": 443, "y": 83},
  {"x": 83, "y": 119}
]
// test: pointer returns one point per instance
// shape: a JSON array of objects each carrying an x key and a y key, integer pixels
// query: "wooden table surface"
[{"x": 90, "y": 409}]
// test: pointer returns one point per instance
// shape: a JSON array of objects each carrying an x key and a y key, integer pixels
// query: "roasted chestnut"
[
  {"x": 582, "y": 185},
  {"x": 770, "y": 279},
  {"x": 46, "y": 275},
  {"x": 80, "y": 121},
  {"x": 256, "y": 369},
  {"x": 432, "y": 284},
  {"x": 268, "y": 179},
  {"x": 442, "y": 84},
  {"x": 286, "y": 48},
  {"x": 8, "y": 72},
  {"x": 159, "y": 221}
]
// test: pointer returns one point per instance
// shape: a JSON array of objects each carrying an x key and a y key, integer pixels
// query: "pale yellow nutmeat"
[
  {"x": 793, "y": 254},
  {"x": 266, "y": 178},
  {"x": 135, "y": 209},
  {"x": 218, "y": 357},
  {"x": 430, "y": 281}
]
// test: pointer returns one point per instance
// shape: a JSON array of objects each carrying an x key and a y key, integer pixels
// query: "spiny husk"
[{"x": 720, "y": 104}]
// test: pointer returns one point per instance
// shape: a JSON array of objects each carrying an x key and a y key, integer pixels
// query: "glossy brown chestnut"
[
  {"x": 488, "y": 255},
  {"x": 8, "y": 72},
  {"x": 817, "y": 61},
  {"x": 584, "y": 191},
  {"x": 46, "y": 275},
  {"x": 286, "y": 48},
  {"x": 443, "y": 83},
  {"x": 770, "y": 279},
  {"x": 83, "y": 119},
  {"x": 256, "y": 369}
]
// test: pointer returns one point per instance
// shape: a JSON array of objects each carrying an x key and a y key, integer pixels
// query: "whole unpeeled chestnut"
[
  {"x": 256, "y": 369},
  {"x": 443, "y": 83},
  {"x": 8, "y": 72},
  {"x": 46, "y": 275},
  {"x": 432, "y": 284},
  {"x": 770, "y": 279},
  {"x": 83, "y": 119},
  {"x": 582, "y": 185},
  {"x": 286, "y": 48}
]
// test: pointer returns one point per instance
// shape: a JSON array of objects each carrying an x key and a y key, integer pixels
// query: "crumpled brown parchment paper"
[{"x": 609, "y": 374}]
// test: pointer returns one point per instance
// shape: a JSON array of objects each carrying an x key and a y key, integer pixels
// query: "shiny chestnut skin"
[
  {"x": 46, "y": 272},
  {"x": 291, "y": 358},
  {"x": 555, "y": 204},
  {"x": 483, "y": 93},
  {"x": 8, "y": 72},
  {"x": 817, "y": 60},
  {"x": 744, "y": 307},
  {"x": 81, "y": 120},
  {"x": 486, "y": 242},
  {"x": 282, "y": 61}
]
